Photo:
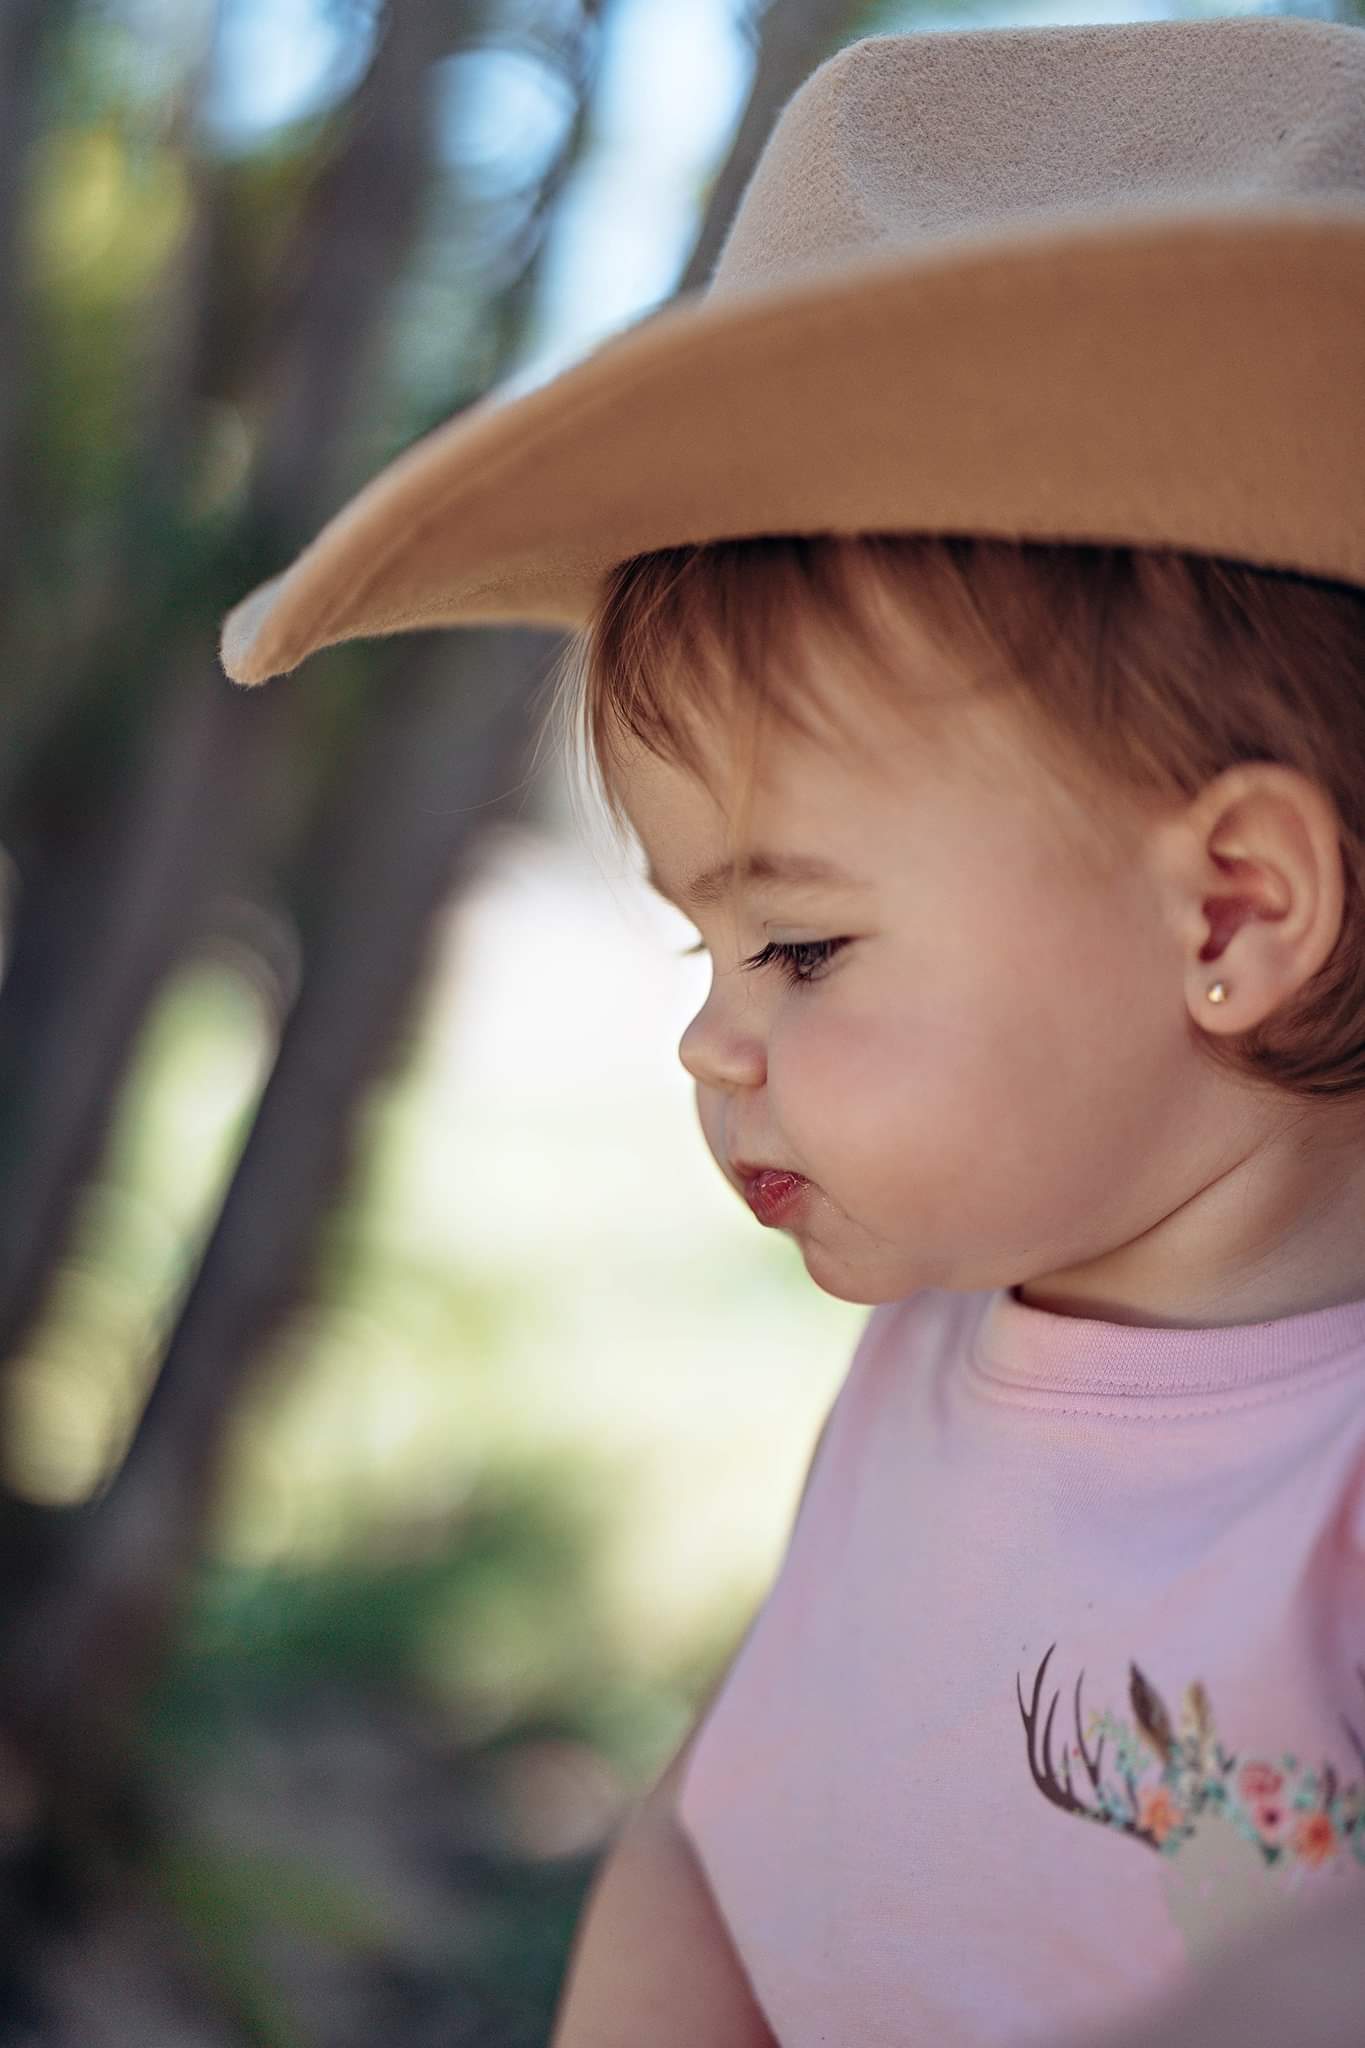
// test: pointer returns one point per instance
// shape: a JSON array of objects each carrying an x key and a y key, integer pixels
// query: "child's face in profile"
[{"x": 994, "y": 1075}]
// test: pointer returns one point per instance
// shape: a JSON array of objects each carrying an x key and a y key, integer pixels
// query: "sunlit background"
[{"x": 504, "y": 1488}]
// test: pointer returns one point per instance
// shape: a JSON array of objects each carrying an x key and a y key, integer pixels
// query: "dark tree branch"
[{"x": 105, "y": 909}]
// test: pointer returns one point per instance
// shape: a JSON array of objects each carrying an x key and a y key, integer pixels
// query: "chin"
[{"x": 843, "y": 1285}]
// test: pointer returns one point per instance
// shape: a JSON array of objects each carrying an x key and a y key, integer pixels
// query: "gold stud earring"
[{"x": 1218, "y": 993}]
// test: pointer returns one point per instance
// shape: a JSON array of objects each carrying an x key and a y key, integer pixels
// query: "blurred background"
[{"x": 400, "y": 1418}]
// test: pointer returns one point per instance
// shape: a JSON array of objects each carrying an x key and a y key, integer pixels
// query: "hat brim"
[{"x": 1192, "y": 379}]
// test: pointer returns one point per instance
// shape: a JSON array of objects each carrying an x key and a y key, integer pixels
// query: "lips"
[
  {"x": 774, "y": 1193},
  {"x": 747, "y": 1171}
]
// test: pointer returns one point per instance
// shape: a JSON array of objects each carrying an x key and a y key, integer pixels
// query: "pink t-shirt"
[{"x": 1062, "y": 1678}]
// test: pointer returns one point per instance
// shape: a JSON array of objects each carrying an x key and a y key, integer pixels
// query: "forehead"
[
  {"x": 864, "y": 752},
  {"x": 886, "y": 797},
  {"x": 816, "y": 812}
]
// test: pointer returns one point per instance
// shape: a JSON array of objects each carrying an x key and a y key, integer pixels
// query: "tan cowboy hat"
[{"x": 1064, "y": 284}]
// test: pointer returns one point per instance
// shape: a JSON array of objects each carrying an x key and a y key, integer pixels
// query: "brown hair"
[{"x": 1146, "y": 670}]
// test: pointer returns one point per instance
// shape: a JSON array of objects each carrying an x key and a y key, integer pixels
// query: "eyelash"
[{"x": 789, "y": 957}]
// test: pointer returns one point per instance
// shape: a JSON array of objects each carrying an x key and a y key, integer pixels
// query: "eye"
[{"x": 797, "y": 960}]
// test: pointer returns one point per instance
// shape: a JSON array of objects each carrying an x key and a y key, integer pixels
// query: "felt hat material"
[{"x": 1061, "y": 284}]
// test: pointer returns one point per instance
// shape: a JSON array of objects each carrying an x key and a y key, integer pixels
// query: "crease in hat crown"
[
  {"x": 910, "y": 145},
  {"x": 898, "y": 148}
]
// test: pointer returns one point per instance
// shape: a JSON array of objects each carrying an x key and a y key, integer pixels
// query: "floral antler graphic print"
[{"x": 1288, "y": 1811}]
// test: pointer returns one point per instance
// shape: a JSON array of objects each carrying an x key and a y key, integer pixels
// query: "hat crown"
[{"x": 898, "y": 141}]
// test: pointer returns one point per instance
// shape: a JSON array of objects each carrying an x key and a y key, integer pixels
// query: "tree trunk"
[
  {"x": 152, "y": 844},
  {"x": 30, "y": 31},
  {"x": 447, "y": 751}
]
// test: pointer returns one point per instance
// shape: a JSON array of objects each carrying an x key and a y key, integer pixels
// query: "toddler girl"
[
  {"x": 970, "y": 631},
  {"x": 1062, "y": 1680}
]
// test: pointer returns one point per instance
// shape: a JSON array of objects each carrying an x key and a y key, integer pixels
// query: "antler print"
[
  {"x": 1291, "y": 1815},
  {"x": 1060, "y": 1791}
]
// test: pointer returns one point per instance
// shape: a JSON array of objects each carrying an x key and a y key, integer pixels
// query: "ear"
[{"x": 1256, "y": 886}]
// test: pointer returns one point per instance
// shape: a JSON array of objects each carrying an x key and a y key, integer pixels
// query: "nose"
[{"x": 719, "y": 1050}]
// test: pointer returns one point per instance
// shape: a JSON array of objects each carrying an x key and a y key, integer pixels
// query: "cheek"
[
  {"x": 964, "y": 1095},
  {"x": 993, "y": 1062},
  {"x": 869, "y": 1089}
]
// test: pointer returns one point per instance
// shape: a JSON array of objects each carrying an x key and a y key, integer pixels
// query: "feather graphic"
[
  {"x": 1151, "y": 1715},
  {"x": 1196, "y": 1715}
]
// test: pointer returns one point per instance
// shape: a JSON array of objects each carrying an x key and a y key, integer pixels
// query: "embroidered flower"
[
  {"x": 1257, "y": 1782},
  {"x": 1269, "y": 1818},
  {"x": 1159, "y": 1811},
  {"x": 1315, "y": 1839}
]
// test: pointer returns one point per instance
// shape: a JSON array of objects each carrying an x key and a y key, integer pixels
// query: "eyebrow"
[{"x": 712, "y": 884}]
